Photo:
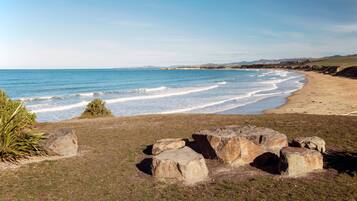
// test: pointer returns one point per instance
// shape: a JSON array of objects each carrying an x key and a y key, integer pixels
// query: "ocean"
[{"x": 56, "y": 95}]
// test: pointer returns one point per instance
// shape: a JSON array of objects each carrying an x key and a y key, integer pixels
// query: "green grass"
[{"x": 112, "y": 148}]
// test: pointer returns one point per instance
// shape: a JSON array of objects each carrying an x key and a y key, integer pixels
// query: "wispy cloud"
[
  {"x": 132, "y": 24},
  {"x": 344, "y": 28},
  {"x": 281, "y": 34}
]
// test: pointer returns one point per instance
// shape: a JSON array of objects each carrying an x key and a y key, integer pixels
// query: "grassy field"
[
  {"x": 343, "y": 62},
  {"x": 112, "y": 149}
]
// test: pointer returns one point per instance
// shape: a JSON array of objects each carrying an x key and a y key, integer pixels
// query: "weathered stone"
[
  {"x": 296, "y": 161},
  {"x": 239, "y": 145},
  {"x": 180, "y": 165},
  {"x": 314, "y": 143},
  {"x": 63, "y": 142},
  {"x": 167, "y": 144}
]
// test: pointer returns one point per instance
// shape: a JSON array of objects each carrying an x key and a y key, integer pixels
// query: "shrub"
[
  {"x": 96, "y": 108},
  {"x": 17, "y": 140}
]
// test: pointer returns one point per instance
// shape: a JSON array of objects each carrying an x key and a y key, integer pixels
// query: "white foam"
[
  {"x": 61, "y": 108},
  {"x": 148, "y": 97},
  {"x": 152, "y": 89},
  {"x": 281, "y": 73},
  {"x": 90, "y": 94},
  {"x": 222, "y": 83}
]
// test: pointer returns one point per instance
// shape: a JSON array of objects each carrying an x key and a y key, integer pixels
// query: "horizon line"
[{"x": 161, "y": 66}]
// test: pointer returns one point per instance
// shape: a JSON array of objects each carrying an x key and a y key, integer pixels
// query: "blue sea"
[{"x": 56, "y": 95}]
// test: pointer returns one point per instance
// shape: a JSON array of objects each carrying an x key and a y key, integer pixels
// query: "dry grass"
[
  {"x": 343, "y": 62},
  {"x": 114, "y": 146}
]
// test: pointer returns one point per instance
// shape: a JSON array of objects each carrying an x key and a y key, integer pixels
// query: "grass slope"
[
  {"x": 112, "y": 147},
  {"x": 343, "y": 61}
]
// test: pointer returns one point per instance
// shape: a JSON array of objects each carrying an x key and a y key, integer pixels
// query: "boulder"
[
  {"x": 62, "y": 142},
  {"x": 180, "y": 165},
  {"x": 295, "y": 161},
  {"x": 314, "y": 143},
  {"x": 167, "y": 144},
  {"x": 239, "y": 145}
]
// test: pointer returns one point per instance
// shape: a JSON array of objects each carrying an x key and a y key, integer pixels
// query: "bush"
[
  {"x": 96, "y": 108},
  {"x": 17, "y": 140}
]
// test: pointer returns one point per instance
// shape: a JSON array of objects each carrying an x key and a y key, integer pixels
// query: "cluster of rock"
[
  {"x": 234, "y": 146},
  {"x": 62, "y": 142},
  {"x": 237, "y": 145}
]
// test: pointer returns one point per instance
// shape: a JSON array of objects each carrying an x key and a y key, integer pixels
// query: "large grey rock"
[
  {"x": 296, "y": 161},
  {"x": 62, "y": 142},
  {"x": 180, "y": 165},
  {"x": 167, "y": 144},
  {"x": 314, "y": 143},
  {"x": 239, "y": 145}
]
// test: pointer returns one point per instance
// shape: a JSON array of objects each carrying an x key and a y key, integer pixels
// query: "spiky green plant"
[
  {"x": 17, "y": 140},
  {"x": 96, "y": 108},
  {"x": 8, "y": 107}
]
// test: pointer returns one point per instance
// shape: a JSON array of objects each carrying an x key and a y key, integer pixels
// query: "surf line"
[{"x": 121, "y": 100}]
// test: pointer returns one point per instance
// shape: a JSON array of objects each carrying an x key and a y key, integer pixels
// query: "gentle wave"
[
  {"x": 61, "y": 108},
  {"x": 179, "y": 93},
  {"x": 262, "y": 97},
  {"x": 87, "y": 94},
  {"x": 96, "y": 94},
  {"x": 247, "y": 95},
  {"x": 43, "y": 98},
  {"x": 152, "y": 89},
  {"x": 280, "y": 73},
  {"x": 277, "y": 81},
  {"x": 126, "y": 99}
]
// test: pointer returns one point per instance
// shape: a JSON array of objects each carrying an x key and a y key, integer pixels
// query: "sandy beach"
[{"x": 322, "y": 94}]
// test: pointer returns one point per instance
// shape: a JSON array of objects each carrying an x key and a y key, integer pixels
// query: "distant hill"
[
  {"x": 335, "y": 65},
  {"x": 346, "y": 60}
]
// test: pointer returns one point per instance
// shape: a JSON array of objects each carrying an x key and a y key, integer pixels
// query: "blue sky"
[{"x": 125, "y": 33}]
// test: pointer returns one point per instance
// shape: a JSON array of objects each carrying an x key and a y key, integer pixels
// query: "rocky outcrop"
[
  {"x": 296, "y": 161},
  {"x": 63, "y": 142},
  {"x": 239, "y": 145},
  {"x": 167, "y": 144},
  {"x": 314, "y": 143},
  {"x": 348, "y": 72},
  {"x": 180, "y": 165}
]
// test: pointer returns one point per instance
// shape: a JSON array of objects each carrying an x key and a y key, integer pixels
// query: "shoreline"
[
  {"x": 318, "y": 95},
  {"x": 321, "y": 95}
]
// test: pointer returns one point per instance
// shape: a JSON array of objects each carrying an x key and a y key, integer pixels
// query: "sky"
[{"x": 134, "y": 33}]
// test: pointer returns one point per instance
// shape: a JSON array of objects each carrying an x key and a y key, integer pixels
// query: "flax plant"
[{"x": 17, "y": 140}]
